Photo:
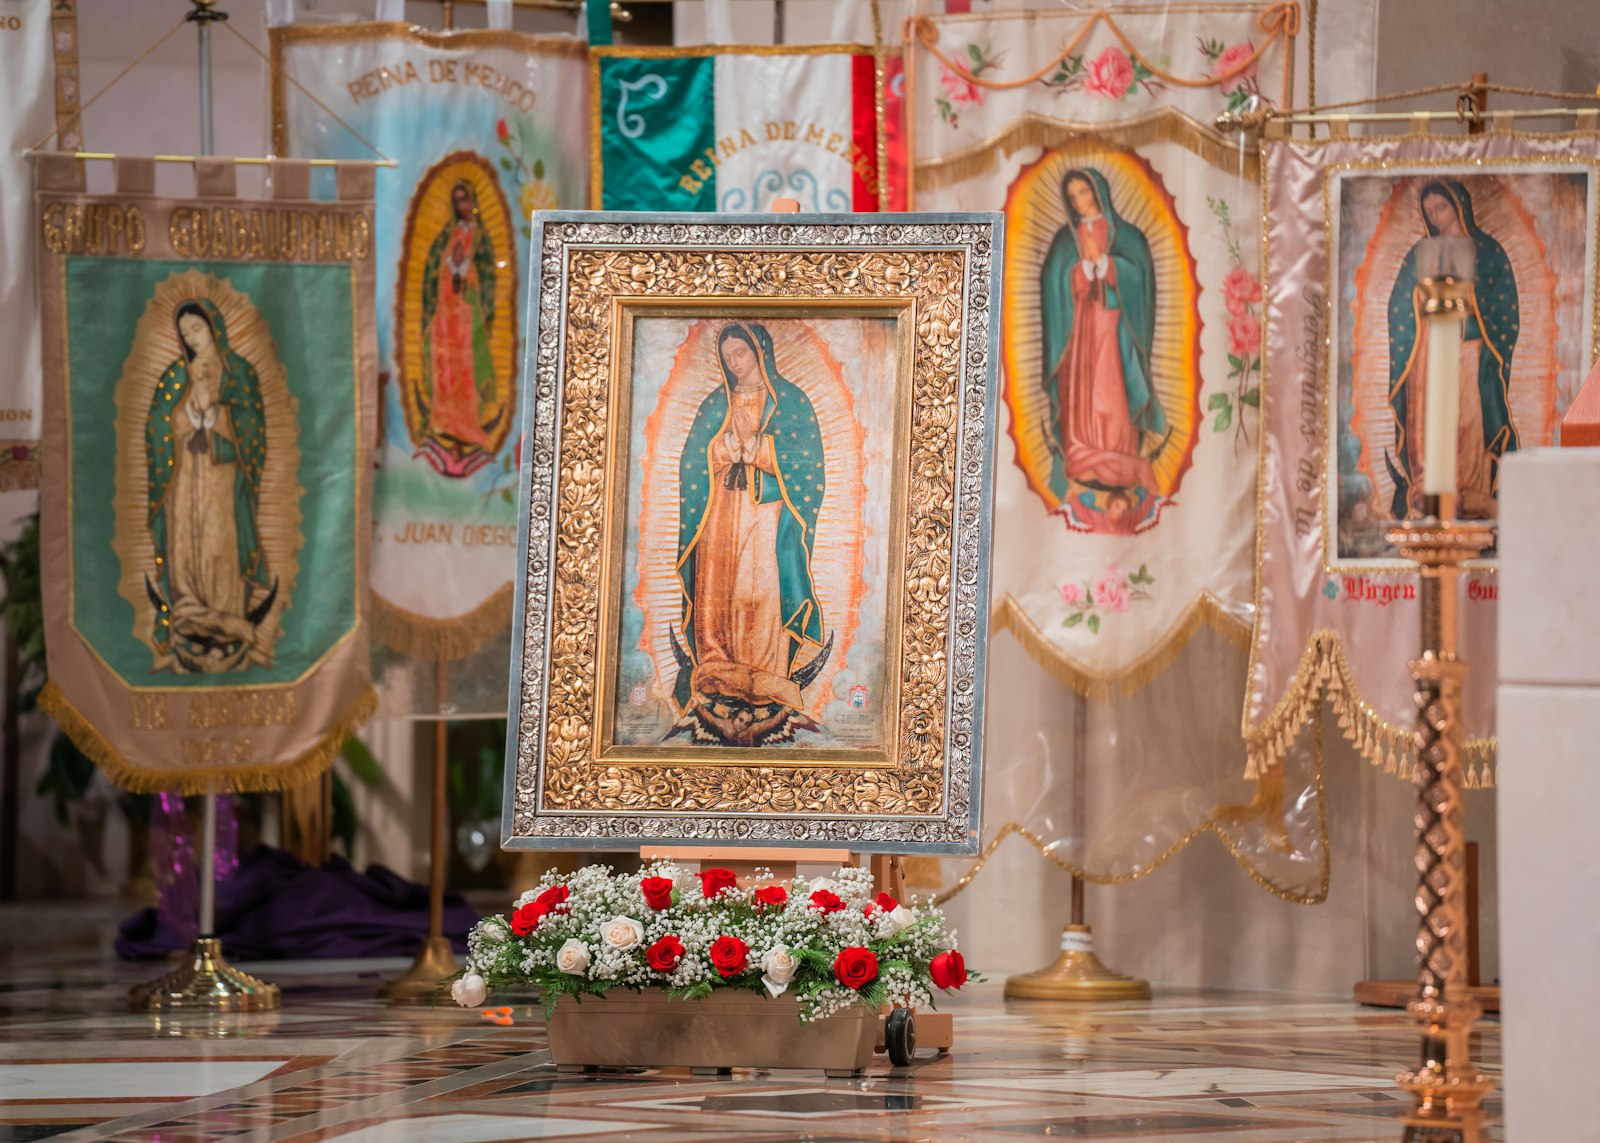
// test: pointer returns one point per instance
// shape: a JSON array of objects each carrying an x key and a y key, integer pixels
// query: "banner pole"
[
  {"x": 1076, "y": 973},
  {"x": 436, "y": 960},
  {"x": 206, "y": 981}
]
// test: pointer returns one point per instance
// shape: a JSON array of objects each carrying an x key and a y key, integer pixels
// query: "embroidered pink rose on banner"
[
  {"x": 1110, "y": 74},
  {"x": 959, "y": 86},
  {"x": 1245, "y": 333},
  {"x": 1110, "y": 591},
  {"x": 1235, "y": 59},
  {"x": 1240, "y": 289},
  {"x": 1071, "y": 594}
]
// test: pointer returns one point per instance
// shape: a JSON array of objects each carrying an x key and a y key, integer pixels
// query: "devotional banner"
[
  {"x": 722, "y": 128},
  {"x": 209, "y": 367},
  {"x": 1132, "y": 311},
  {"x": 486, "y": 127},
  {"x": 1130, "y": 394},
  {"x": 38, "y": 90},
  {"x": 1347, "y": 358}
]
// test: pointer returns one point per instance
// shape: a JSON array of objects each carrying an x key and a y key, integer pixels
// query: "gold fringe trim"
[
  {"x": 1168, "y": 125},
  {"x": 441, "y": 640},
  {"x": 1204, "y": 611},
  {"x": 1324, "y": 672},
  {"x": 1268, "y": 804},
  {"x": 242, "y": 779}
]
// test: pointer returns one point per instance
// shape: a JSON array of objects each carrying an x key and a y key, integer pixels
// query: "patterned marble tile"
[{"x": 336, "y": 1065}]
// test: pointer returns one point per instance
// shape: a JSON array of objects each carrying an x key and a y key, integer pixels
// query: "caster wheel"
[{"x": 900, "y": 1037}]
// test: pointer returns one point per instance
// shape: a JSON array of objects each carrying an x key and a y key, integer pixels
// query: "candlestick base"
[
  {"x": 1077, "y": 974},
  {"x": 205, "y": 982},
  {"x": 423, "y": 982}
]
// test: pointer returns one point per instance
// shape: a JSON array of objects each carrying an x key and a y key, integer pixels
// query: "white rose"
[
  {"x": 573, "y": 957},
  {"x": 469, "y": 991},
  {"x": 900, "y": 919},
  {"x": 777, "y": 969},
  {"x": 827, "y": 883},
  {"x": 622, "y": 933}
]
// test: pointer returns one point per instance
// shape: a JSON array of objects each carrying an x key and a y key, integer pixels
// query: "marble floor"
[{"x": 335, "y": 1064}]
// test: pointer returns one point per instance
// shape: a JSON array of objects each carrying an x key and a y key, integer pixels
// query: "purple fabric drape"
[{"x": 275, "y": 907}]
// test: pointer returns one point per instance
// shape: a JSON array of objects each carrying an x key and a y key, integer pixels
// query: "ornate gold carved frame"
[{"x": 569, "y": 783}]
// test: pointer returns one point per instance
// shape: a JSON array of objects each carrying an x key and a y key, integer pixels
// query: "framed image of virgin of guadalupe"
[{"x": 753, "y": 591}]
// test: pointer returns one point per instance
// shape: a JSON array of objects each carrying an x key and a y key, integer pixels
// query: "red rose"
[
  {"x": 730, "y": 955},
  {"x": 855, "y": 967},
  {"x": 948, "y": 970},
  {"x": 657, "y": 892},
  {"x": 664, "y": 955},
  {"x": 501, "y": 130},
  {"x": 827, "y": 900},
  {"x": 714, "y": 881},
  {"x": 527, "y": 918},
  {"x": 885, "y": 902},
  {"x": 774, "y": 895}
]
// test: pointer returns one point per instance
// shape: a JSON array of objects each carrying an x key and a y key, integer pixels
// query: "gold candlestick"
[{"x": 1446, "y": 1085}]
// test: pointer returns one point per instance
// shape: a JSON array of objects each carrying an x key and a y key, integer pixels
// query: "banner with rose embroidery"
[
  {"x": 486, "y": 127},
  {"x": 1131, "y": 375},
  {"x": 1336, "y": 608},
  {"x": 38, "y": 90}
]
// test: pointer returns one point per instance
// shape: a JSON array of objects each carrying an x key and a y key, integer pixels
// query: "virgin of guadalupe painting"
[
  {"x": 752, "y": 482},
  {"x": 1099, "y": 308},
  {"x": 755, "y": 603},
  {"x": 1101, "y": 345},
  {"x": 1488, "y": 342},
  {"x": 457, "y": 313},
  {"x": 1525, "y": 340},
  {"x": 456, "y": 302},
  {"x": 206, "y": 450}
]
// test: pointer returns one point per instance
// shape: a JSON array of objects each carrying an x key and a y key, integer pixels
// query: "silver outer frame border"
[{"x": 980, "y": 237}]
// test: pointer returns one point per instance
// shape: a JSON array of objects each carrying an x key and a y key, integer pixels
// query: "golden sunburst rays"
[
  {"x": 838, "y": 555},
  {"x": 155, "y": 347},
  {"x": 1035, "y": 213},
  {"x": 432, "y": 210},
  {"x": 1535, "y": 364}
]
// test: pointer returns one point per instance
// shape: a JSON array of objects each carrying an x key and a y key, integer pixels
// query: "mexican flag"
[{"x": 730, "y": 128}]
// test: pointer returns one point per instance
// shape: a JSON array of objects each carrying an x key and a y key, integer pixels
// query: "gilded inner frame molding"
[{"x": 569, "y": 784}]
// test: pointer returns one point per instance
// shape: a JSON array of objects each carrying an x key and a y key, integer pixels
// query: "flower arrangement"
[{"x": 829, "y": 942}]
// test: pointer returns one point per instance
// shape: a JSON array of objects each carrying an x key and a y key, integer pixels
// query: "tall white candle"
[{"x": 1442, "y": 405}]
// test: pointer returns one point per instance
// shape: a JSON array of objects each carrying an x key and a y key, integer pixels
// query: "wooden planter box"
[{"x": 725, "y": 1030}]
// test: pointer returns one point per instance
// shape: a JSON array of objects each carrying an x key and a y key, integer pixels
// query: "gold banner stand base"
[
  {"x": 205, "y": 983},
  {"x": 423, "y": 982},
  {"x": 1077, "y": 974}
]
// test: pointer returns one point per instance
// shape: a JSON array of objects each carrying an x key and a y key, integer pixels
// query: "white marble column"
[{"x": 1549, "y": 793}]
